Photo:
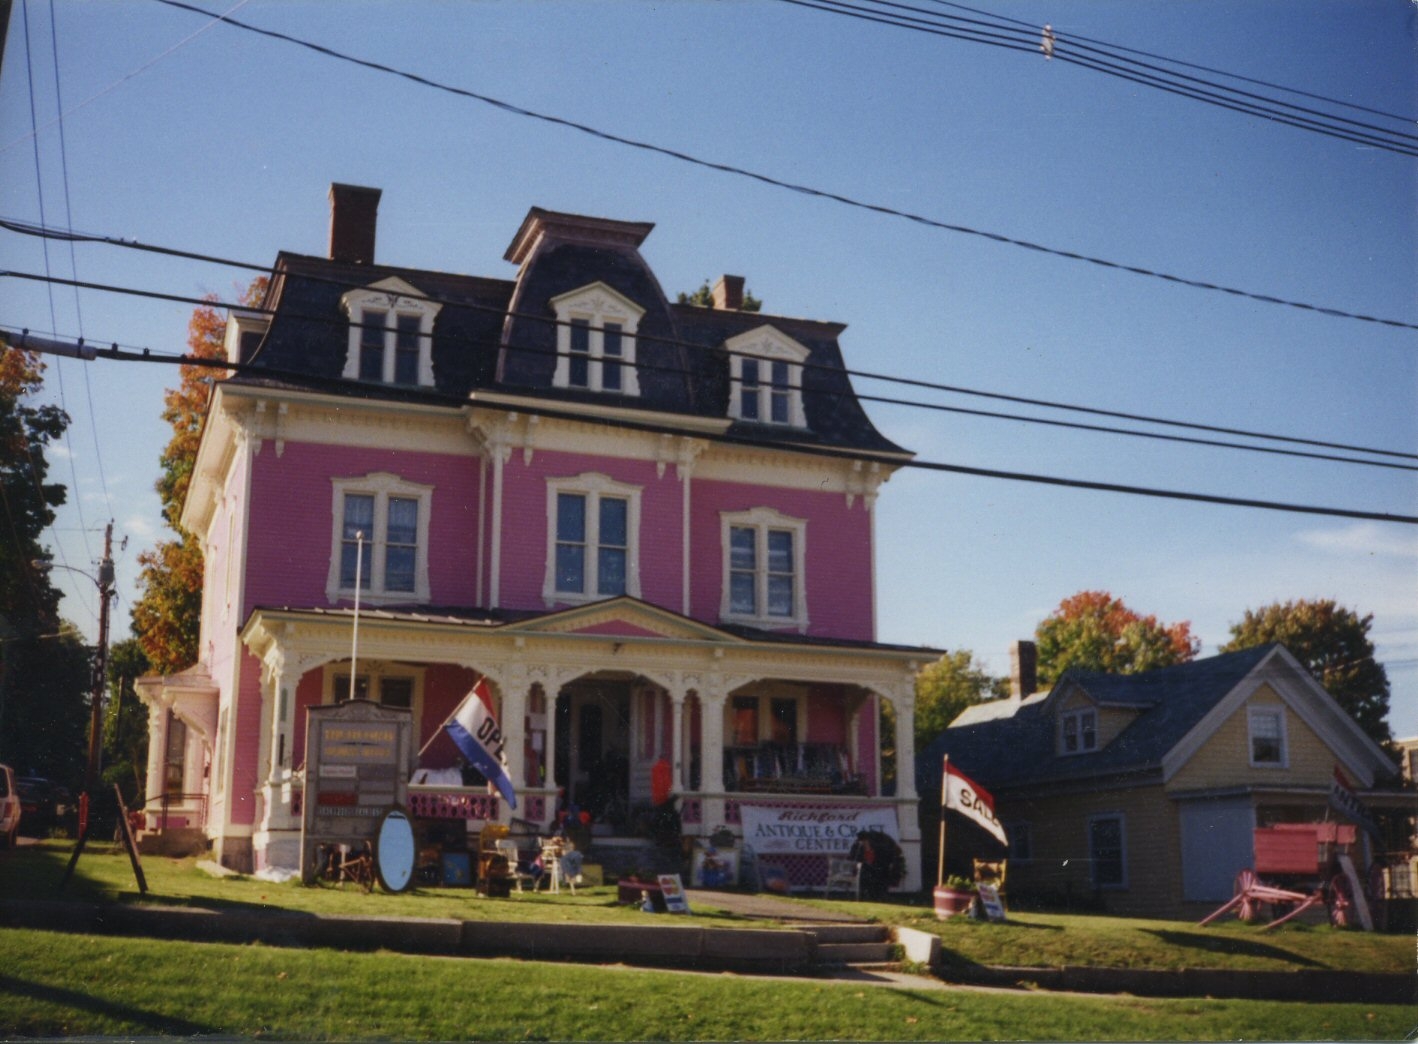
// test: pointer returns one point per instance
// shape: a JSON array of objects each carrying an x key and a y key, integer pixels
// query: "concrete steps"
[{"x": 852, "y": 945}]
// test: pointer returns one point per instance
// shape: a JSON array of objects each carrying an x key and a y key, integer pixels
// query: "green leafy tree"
[
  {"x": 1333, "y": 643},
  {"x": 44, "y": 668},
  {"x": 946, "y": 687},
  {"x": 167, "y": 616},
  {"x": 1093, "y": 631},
  {"x": 125, "y": 725},
  {"x": 704, "y": 298}
]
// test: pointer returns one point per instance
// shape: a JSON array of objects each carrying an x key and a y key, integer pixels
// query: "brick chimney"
[
  {"x": 1023, "y": 670},
  {"x": 728, "y": 293},
  {"x": 354, "y": 212}
]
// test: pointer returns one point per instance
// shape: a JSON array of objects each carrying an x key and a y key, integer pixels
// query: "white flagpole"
[
  {"x": 354, "y": 646},
  {"x": 944, "y": 786}
]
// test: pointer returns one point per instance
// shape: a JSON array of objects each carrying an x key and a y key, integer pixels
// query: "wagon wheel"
[
  {"x": 1249, "y": 910},
  {"x": 1339, "y": 898}
]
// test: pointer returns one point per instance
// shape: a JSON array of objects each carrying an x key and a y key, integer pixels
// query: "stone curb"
[{"x": 1308, "y": 984}]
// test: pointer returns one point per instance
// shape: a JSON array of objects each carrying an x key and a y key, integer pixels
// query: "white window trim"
[
  {"x": 597, "y": 304},
  {"x": 389, "y": 296},
  {"x": 1119, "y": 886},
  {"x": 767, "y": 345},
  {"x": 1270, "y": 711},
  {"x": 762, "y": 520},
  {"x": 376, "y": 671},
  {"x": 1077, "y": 715},
  {"x": 381, "y": 485},
  {"x": 593, "y": 486}
]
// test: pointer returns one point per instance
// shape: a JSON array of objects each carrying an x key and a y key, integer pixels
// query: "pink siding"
[
  {"x": 867, "y": 746},
  {"x": 826, "y": 716},
  {"x": 524, "y": 530},
  {"x": 838, "y": 553},
  {"x": 246, "y": 723},
  {"x": 291, "y": 512}
]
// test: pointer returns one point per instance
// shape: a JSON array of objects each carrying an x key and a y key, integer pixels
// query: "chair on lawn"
[
  {"x": 507, "y": 848},
  {"x": 845, "y": 874}
]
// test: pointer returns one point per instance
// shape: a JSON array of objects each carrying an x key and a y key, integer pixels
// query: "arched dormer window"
[
  {"x": 595, "y": 340},
  {"x": 391, "y": 334},
  {"x": 766, "y": 378}
]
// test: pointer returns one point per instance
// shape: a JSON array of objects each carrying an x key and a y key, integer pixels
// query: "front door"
[
  {"x": 593, "y": 748},
  {"x": 1218, "y": 842}
]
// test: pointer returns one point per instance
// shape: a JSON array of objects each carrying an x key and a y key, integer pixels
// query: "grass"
[
  {"x": 71, "y": 985},
  {"x": 1027, "y": 939}
]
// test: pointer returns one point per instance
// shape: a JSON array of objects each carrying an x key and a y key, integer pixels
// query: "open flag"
[
  {"x": 474, "y": 730},
  {"x": 959, "y": 792}
]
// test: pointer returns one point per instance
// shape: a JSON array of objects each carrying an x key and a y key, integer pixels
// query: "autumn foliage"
[
  {"x": 1093, "y": 631},
  {"x": 167, "y": 620}
]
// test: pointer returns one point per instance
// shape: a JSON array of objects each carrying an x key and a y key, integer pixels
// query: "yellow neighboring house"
[{"x": 1141, "y": 793}]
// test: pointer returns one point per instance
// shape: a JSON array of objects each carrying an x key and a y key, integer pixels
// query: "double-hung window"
[
  {"x": 593, "y": 529},
  {"x": 765, "y": 378},
  {"x": 391, "y": 334},
  {"x": 1267, "y": 737},
  {"x": 1107, "y": 850},
  {"x": 1078, "y": 731},
  {"x": 387, "y": 684},
  {"x": 595, "y": 340},
  {"x": 764, "y": 557},
  {"x": 381, "y": 539}
]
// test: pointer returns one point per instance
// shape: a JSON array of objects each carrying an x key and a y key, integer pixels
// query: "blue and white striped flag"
[{"x": 474, "y": 730}]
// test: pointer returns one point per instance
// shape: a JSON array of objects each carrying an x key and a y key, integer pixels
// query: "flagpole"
[
  {"x": 940, "y": 856},
  {"x": 354, "y": 645}
]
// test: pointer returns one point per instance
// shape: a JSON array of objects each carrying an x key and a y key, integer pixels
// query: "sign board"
[
  {"x": 990, "y": 902},
  {"x": 672, "y": 888},
  {"x": 358, "y": 758},
  {"x": 823, "y": 830}
]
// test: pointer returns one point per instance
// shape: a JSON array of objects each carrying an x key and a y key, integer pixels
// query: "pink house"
[{"x": 648, "y": 525}]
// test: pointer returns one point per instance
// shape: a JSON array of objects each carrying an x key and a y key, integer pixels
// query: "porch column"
[
  {"x": 514, "y": 725},
  {"x": 158, "y": 717},
  {"x": 903, "y": 702},
  {"x": 677, "y": 697},
  {"x": 711, "y": 753},
  {"x": 279, "y": 676}
]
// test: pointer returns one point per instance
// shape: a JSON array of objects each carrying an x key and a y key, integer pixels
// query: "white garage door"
[{"x": 1217, "y": 843}]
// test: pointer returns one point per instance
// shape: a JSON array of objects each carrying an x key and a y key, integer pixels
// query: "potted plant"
[
  {"x": 955, "y": 896},
  {"x": 631, "y": 887}
]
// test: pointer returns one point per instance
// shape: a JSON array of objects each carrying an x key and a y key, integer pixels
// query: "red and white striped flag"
[{"x": 962, "y": 794}]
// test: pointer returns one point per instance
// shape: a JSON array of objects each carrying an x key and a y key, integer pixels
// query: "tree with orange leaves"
[
  {"x": 167, "y": 618},
  {"x": 1093, "y": 631}
]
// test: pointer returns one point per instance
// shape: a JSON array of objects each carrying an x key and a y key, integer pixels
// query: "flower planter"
[
  {"x": 628, "y": 891},
  {"x": 951, "y": 901}
]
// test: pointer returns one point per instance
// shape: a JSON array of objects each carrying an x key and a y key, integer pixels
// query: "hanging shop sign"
[{"x": 819, "y": 830}]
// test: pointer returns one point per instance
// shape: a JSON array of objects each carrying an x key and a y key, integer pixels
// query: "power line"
[
  {"x": 1112, "y": 62},
  {"x": 680, "y": 371},
  {"x": 806, "y": 190},
  {"x": 25, "y": 228},
  {"x": 435, "y": 398}
]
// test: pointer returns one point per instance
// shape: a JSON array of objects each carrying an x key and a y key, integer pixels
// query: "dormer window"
[
  {"x": 1078, "y": 731},
  {"x": 595, "y": 340},
  {"x": 391, "y": 334},
  {"x": 765, "y": 378}
]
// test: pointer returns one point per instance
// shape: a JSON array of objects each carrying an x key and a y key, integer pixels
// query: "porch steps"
[
  {"x": 173, "y": 842},
  {"x": 852, "y": 945}
]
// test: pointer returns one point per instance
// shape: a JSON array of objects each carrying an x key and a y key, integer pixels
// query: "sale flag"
[
  {"x": 473, "y": 728},
  {"x": 962, "y": 794}
]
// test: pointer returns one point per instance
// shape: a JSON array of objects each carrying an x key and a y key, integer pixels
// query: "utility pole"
[{"x": 105, "y": 595}]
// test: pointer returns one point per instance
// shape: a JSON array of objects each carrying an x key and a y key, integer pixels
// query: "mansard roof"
[{"x": 500, "y": 335}]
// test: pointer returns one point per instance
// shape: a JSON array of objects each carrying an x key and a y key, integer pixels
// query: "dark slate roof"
[
  {"x": 681, "y": 362},
  {"x": 1020, "y": 750}
]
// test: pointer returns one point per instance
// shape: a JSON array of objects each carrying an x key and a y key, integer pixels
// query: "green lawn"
[
  {"x": 1028, "y": 939},
  {"x": 72, "y": 985}
]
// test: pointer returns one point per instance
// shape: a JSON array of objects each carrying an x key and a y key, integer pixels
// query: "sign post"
[{"x": 358, "y": 761}]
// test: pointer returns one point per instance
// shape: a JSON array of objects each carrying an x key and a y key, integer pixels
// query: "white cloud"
[{"x": 1369, "y": 539}]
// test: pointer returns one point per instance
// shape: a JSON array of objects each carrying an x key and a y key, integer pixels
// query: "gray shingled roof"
[{"x": 1020, "y": 750}]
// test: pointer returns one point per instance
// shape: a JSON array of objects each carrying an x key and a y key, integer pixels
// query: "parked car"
[
  {"x": 9, "y": 807},
  {"x": 38, "y": 804}
]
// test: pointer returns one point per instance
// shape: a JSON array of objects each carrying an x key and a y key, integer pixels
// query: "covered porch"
[{"x": 608, "y": 711}]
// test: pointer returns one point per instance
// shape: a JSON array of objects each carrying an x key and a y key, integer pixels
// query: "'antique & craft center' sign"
[{"x": 826, "y": 830}]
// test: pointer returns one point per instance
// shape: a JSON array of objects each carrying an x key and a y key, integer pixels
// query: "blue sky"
[{"x": 226, "y": 143}]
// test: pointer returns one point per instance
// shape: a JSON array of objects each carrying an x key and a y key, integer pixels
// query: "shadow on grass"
[
  {"x": 139, "y": 1017},
  {"x": 1230, "y": 944}
]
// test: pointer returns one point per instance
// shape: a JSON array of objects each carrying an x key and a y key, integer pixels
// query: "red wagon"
[{"x": 1307, "y": 864}]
